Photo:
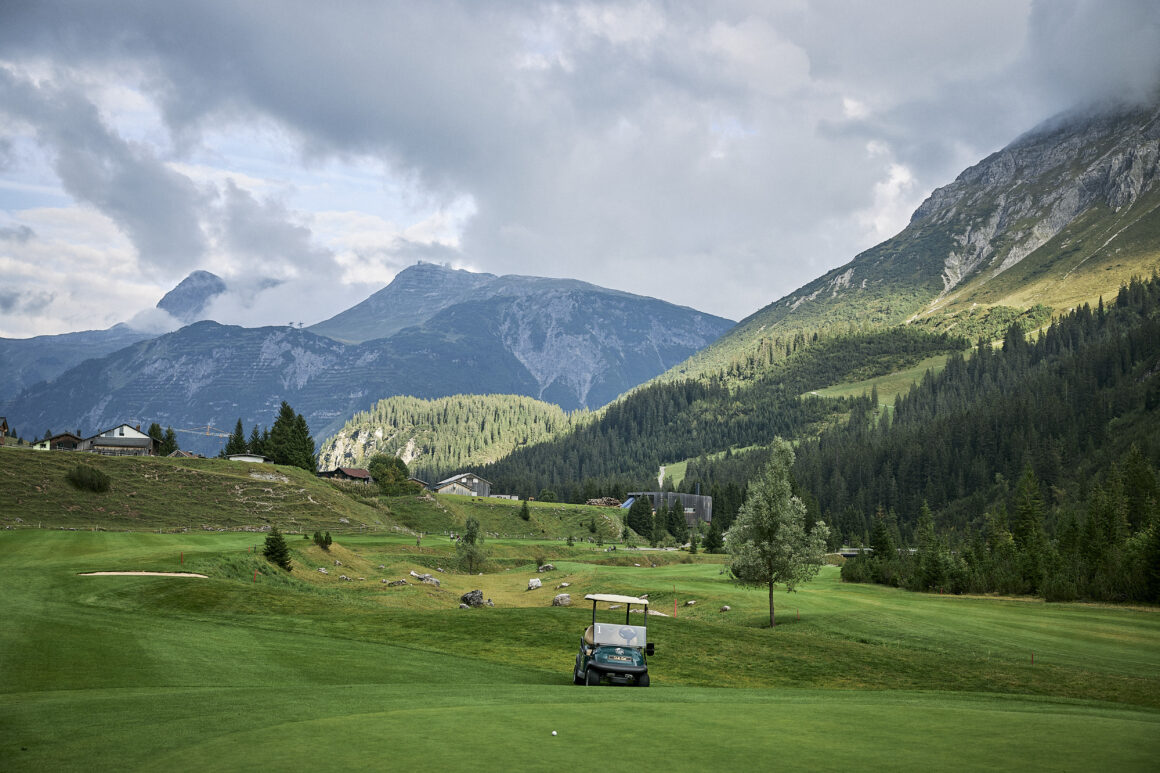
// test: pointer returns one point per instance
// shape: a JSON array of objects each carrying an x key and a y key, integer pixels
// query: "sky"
[{"x": 714, "y": 155}]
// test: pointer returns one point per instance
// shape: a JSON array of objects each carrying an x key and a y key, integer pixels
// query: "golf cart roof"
[{"x": 613, "y": 598}]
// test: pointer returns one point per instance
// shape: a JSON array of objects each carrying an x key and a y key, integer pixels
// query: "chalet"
[
  {"x": 696, "y": 506},
  {"x": 466, "y": 483},
  {"x": 347, "y": 473},
  {"x": 179, "y": 454},
  {"x": 66, "y": 441},
  {"x": 122, "y": 440}
]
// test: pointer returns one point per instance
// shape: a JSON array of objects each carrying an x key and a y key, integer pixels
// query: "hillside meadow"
[{"x": 254, "y": 668}]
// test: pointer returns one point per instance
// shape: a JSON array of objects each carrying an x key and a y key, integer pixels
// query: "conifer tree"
[
  {"x": 237, "y": 442},
  {"x": 169, "y": 442},
  {"x": 276, "y": 551},
  {"x": 290, "y": 442},
  {"x": 254, "y": 445}
]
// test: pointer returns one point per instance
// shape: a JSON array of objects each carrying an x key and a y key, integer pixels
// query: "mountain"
[
  {"x": 1061, "y": 216},
  {"x": 415, "y": 295},
  {"x": 26, "y": 361},
  {"x": 188, "y": 300},
  {"x": 569, "y": 343}
]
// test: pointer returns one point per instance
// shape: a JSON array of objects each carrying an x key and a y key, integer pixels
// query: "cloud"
[
  {"x": 24, "y": 302},
  {"x": 20, "y": 234},
  {"x": 156, "y": 207},
  {"x": 710, "y": 154}
]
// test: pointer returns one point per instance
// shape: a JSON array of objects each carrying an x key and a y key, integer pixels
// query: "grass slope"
[{"x": 302, "y": 672}]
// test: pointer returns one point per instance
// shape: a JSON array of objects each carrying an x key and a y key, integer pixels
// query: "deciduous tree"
[{"x": 768, "y": 542}]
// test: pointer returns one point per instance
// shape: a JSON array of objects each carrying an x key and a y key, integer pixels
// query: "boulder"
[
  {"x": 547, "y": 568},
  {"x": 464, "y": 606},
  {"x": 396, "y": 583},
  {"x": 562, "y": 600},
  {"x": 534, "y": 583},
  {"x": 690, "y": 602},
  {"x": 725, "y": 608},
  {"x": 472, "y": 598},
  {"x": 322, "y": 570},
  {"x": 489, "y": 603},
  {"x": 431, "y": 581},
  {"x": 563, "y": 585}
]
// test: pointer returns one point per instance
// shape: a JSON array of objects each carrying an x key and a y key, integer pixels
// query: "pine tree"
[
  {"x": 237, "y": 442},
  {"x": 169, "y": 442},
  {"x": 276, "y": 551},
  {"x": 713, "y": 540},
  {"x": 290, "y": 442},
  {"x": 525, "y": 513},
  {"x": 254, "y": 445}
]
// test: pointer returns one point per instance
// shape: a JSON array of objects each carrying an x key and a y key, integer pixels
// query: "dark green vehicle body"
[{"x": 613, "y": 651}]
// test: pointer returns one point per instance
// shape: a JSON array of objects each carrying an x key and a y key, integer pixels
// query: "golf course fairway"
[{"x": 254, "y": 669}]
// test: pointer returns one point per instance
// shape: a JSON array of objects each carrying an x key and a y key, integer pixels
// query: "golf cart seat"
[{"x": 588, "y": 637}]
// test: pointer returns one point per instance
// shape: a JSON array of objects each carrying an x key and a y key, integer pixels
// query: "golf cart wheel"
[
  {"x": 576, "y": 678},
  {"x": 642, "y": 680},
  {"x": 592, "y": 677}
]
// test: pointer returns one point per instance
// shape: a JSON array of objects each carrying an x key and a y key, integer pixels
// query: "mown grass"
[{"x": 301, "y": 671}]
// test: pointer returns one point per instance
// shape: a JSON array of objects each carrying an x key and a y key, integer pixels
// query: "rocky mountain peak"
[{"x": 188, "y": 300}]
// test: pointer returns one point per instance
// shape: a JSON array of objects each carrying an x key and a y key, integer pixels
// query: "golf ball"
[{"x": 553, "y": 732}]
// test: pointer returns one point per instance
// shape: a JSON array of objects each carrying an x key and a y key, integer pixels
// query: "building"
[
  {"x": 347, "y": 473},
  {"x": 697, "y": 507},
  {"x": 257, "y": 458},
  {"x": 122, "y": 440},
  {"x": 66, "y": 441},
  {"x": 179, "y": 454},
  {"x": 465, "y": 483},
  {"x": 3, "y": 430}
]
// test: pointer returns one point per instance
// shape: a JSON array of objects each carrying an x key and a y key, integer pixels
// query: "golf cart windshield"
[{"x": 618, "y": 634}]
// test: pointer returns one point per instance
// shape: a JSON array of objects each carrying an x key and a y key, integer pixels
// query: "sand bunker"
[{"x": 145, "y": 574}]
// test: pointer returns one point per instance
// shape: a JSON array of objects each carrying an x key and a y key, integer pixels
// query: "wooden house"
[
  {"x": 347, "y": 473},
  {"x": 466, "y": 483},
  {"x": 65, "y": 441}
]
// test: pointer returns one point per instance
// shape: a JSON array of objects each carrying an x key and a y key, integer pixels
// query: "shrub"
[{"x": 88, "y": 478}]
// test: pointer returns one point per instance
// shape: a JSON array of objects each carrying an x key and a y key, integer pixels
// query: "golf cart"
[{"x": 613, "y": 650}]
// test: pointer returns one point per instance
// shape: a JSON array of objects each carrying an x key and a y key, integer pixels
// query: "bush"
[{"x": 88, "y": 478}]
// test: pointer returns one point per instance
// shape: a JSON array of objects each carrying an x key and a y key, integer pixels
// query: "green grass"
[
  {"x": 210, "y": 494},
  {"x": 308, "y": 672},
  {"x": 890, "y": 385}
]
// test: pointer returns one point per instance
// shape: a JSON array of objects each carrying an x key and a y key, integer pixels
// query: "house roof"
[
  {"x": 64, "y": 435},
  {"x": 454, "y": 478},
  {"x": 354, "y": 472}
]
